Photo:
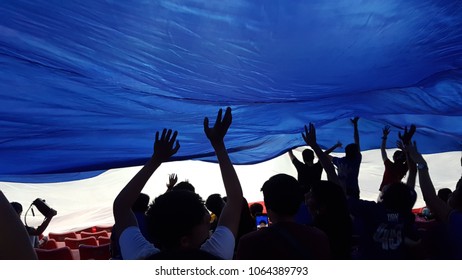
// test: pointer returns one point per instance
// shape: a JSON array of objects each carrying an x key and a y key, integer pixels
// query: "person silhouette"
[
  {"x": 34, "y": 233},
  {"x": 178, "y": 221}
]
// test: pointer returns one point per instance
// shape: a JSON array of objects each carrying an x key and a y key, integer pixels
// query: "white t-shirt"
[{"x": 133, "y": 245}]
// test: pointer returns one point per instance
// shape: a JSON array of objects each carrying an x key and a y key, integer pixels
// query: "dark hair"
[
  {"x": 17, "y": 207},
  {"x": 246, "y": 221},
  {"x": 184, "y": 186},
  {"x": 141, "y": 204},
  {"x": 333, "y": 217},
  {"x": 351, "y": 150},
  {"x": 255, "y": 208},
  {"x": 331, "y": 197},
  {"x": 173, "y": 215},
  {"x": 399, "y": 156},
  {"x": 444, "y": 194},
  {"x": 308, "y": 155},
  {"x": 215, "y": 203},
  {"x": 283, "y": 194},
  {"x": 398, "y": 197}
]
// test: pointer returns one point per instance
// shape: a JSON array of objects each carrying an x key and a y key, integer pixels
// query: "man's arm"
[
  {"x": 402, "y": 144},
  {"x": 14, "y": 240},
  {"x": 164, "y": 147},
  {"x": 310, "y": 139},
  {"x": 407, "y": 135},
  {"x": 331, "y": 149},
  {"x": 40, "y": 229},
  {"x": 231, "y": 213},
  {"x": 412, "y": 174},
  {"x": 438, "y": 207},
  {"x": 383, "y": 146}
]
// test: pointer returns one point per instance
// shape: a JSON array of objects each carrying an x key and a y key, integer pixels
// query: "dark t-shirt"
[
  {"x": 383, "y": 232},
  {"x": 286, "y": 241},
  {"x": 308, "y": 175},
  {"x": 348, "y": 172}
]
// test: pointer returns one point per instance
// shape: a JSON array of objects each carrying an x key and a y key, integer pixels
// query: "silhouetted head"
[
  {"x": 215, "y": 203},
  {"x": 399, "y": 157},
  {"x": 184, "y": 186},
  {"x": 444, "y": 194},
  {"x": 398, "y": 197},
  {"x": 351, "y": 150},
  {"x": 308, "y": 156},
  {"x": 255, "y": 208},
  {"x": 141, "y": 204},
  {"x": 327, "y": 199},
  {"x": 178, "y": 220},
  {"x": 17, "y": 207},
  {"x": 282, "y": 194}
]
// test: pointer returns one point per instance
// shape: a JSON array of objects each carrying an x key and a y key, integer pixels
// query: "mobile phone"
[{"x": 261, "y": 220}]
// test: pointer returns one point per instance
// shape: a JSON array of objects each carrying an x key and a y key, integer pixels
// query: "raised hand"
[
  {"x": 172, "y": 179},
  {"x": 407, "y": 135},
  {"x": 385, "y": 131},
  {"x": 339, "y": 144},
  {"x": 310, "y": 135},
  {"x": 217, "y": 133},
  {"x": 165, "y": 146},
  {"x": 355, "y": 120},
  {"x": 411, "y": 148}
]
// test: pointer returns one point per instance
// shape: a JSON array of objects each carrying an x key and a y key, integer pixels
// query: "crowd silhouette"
[{"x": 306, "y": 217}]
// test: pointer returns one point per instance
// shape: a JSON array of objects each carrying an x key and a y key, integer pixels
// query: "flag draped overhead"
[{"x": 84, "y": 85}]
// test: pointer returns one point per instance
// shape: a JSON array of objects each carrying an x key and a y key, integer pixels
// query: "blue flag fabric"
[{"x": 84, "y": 85}]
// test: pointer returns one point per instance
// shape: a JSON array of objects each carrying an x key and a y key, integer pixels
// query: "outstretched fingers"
[
  {"x": 310, "y": 134},
  {"x": 220, "y": 128},
  {"x": 166, "y": 145}
]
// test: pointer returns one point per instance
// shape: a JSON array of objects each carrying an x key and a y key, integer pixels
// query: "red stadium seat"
[
  {"x": 89, "y": 252},
  {"x": 104, "y": 240},
  {"x": 59, "y": 237},
  {"x": 97, "y": 234},
  {"x": 49, "y": 244},
  {"x": 63, "y": 253},
  {"x": 74, "y": 243}
]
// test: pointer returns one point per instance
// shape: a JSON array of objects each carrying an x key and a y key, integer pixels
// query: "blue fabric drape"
[{"x": 84, "y": 85}]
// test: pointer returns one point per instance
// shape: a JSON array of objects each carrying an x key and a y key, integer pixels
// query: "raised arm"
[
  {"x": 310, "y": 139},
  {"x": 14, "y": 240},
  {"x": 406, "y": 137},
  {"x": 438, "y": 207},
  {"x": 405, "y": 140},
  {"x": 40, "y": 229},
  {"x": 172, "y": 179},
  {"x": 412, "y": 174},
  {"x": 331, "y": 149},
  {"x": 356, "y": 132},
  {"x": 231, "y": 213},
  {"x": 291, "y": 155},
  {"x": 165, "y": 146},
  {"x": 383, "y": 146}
]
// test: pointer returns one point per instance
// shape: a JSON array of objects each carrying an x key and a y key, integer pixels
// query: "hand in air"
[
  {"x": 310, "y": 135},
  {"x": 385, "y": 131},
  {"x": 217, "y": 133},
  {"x": 166, "y": 145},
  {"x": 407, "y": 135}
]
